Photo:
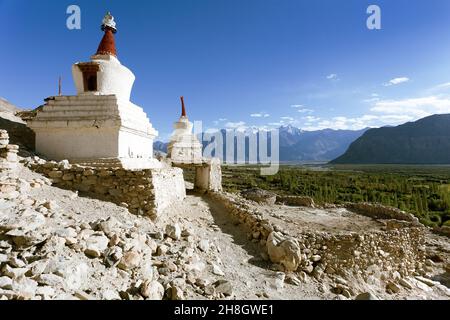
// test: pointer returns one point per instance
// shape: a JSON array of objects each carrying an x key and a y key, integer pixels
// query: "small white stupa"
[
  {"x": 184, "y": 147},
  {"x": 99, "y": 124}
]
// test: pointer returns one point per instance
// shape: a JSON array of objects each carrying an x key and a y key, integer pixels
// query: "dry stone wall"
[
  {"x": 379, "y": 211},
  {"x": 145, "y": 192},
  {"x": 296, "y": 201},
  {"x": 396, "y": 248},
  {"x": 8, "y": 153}
]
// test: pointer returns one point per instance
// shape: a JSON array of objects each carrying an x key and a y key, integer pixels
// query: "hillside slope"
[{"x": 426, "y": 141}]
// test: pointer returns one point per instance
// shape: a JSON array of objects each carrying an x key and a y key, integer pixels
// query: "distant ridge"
[
  {"x": 426, "y": 141},
  {"x": 297, "y": 145}
]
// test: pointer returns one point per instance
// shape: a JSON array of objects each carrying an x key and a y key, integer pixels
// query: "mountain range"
[
  {"x": 297, "y": 145},
  {"x": 426, "y": 141}
]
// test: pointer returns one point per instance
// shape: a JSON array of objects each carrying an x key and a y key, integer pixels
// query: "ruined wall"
[
  {"x": 379, "y": 211},
  {"x": 8, "y": 153},
  {"x": 209, "y": 176},
  {"x": 296, "y": 201},
  {"x": 145, "y": 192},
  {"x": 397, "y": 248}
]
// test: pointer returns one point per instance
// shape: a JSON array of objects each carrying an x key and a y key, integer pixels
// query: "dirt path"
[{"x": 239, "y": 258}]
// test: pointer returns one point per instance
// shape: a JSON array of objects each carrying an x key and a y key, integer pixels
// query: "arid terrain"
[
  {"x": 57, "y": 244},
  {"x": 60, "y": 243}
]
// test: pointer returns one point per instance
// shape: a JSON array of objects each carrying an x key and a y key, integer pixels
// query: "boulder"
[
  {"x": 224, "y": 287},
  {"x": 260, "y": 196},
  {"x": 152, "y": 290},
  {"x": 284, "y": 251},
  {"x": 173, "y": 231},
  {"x": 96, "y": 245},
  {"x": 366, "y": 296},
  {"x": 130, "y": 260}
]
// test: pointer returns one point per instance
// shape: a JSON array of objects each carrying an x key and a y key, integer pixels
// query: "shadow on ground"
[{"x": 231, "y": 226}]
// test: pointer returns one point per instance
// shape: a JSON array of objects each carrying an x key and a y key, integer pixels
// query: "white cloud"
[
  {"x": 211, "y": 130},
  {"x": 413, "y": 107},
  {"x": 345, "y": 123},
  {"x": 218, "y": 121},
  {"x": 332, "y": 76},
  {"x": 260, "y": 115},
  {"x": 384, "y": 112},
  {"x": 301, "y": 108},
  {"x": 290, "y": 119},
  {"x": 275, "y": 124},
  {"x": 396, "y": 81},
  {"x": 371, "y": 100},
  {"x": 311, "y": 119},
  {"x": 305, "y": 110},
  {"x": 235, "y": 125},
  {"x": 439, "y": 88}
]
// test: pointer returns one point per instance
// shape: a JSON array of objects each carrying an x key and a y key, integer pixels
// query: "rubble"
[{"x": 56, "y": 244}]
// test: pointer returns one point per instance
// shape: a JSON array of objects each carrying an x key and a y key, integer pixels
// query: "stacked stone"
[
  {"x": 4, "y": 139},
  {"x": 145, "y": 192},
  {"x": 8, "y": 152},
  {"x": 397, "y": 248}
]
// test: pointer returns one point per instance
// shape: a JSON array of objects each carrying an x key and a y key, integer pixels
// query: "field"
[{"x": 422, "y": 190}]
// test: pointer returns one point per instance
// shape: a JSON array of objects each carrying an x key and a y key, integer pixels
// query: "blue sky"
[{"x": 239, "y": 63}]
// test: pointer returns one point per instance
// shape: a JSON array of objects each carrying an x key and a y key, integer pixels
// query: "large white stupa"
[{"x": 100, "y": 124}]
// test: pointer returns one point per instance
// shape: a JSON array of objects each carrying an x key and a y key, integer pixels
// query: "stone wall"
[
  {"x": 8, "y": 153},
  {"x": 296, "y": 201},
  {"x": 396, "y": 248},
  {"x": 145, "y": 192},
  {"x": 379, "y": 211}
]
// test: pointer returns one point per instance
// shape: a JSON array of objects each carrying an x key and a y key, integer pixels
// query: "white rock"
[
  {"x": 152, "y": 290},
  {"x": 3, "y": 258},
  {"x": 204, "y": 245},
  {"x": 279, "y": 280},
  {"x": 14, "y": 273},
  {"x": 67, "y": 232},
  {"x": 110, "y": 295},
  {"x": 428, "y": 282},
  {"x": 25, "y": 287},
  {"x": 96, "y": 245},
  {"x": 75, "y": 274},
  {"x": 5, "y": 283},
  {"x": 173, "y": 231},
  {"x": 54, "y": 244},
  {"x": 217, "y": 271},
  {"x": 405, "y": 283},
  {"x": 51, "y": 280},
  {"x": 38, "y": 267},
  {"x": 130, "y": 260},
  {"x": 25, "y": 221},
  {"x": 45, "y": 291},
  {"x": 284, "y": 251}
]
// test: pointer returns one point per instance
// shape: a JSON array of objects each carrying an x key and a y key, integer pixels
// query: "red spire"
[
  {"x": 108, "y": 44},
  {"x": 183, "y": 109}
]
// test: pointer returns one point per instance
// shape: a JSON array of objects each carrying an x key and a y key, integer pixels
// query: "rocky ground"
[{"x": 58, "y": 244}]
